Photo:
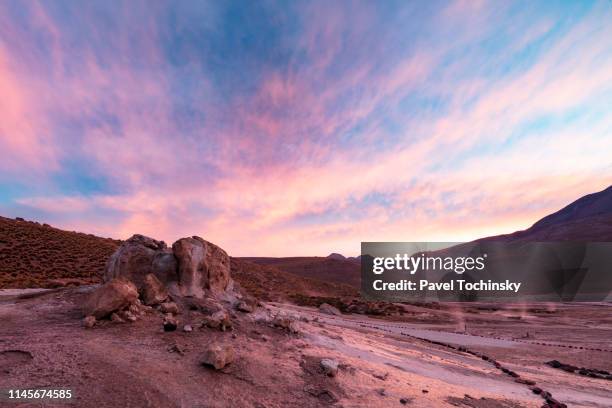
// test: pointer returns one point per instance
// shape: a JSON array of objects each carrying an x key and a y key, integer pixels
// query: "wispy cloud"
[{"x": 301, "y": 128}]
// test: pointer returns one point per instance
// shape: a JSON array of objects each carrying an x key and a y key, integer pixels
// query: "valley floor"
[{"x": 383, "y": 363}]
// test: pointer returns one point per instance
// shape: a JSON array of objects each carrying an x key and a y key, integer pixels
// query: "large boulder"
[
  {"x": 109, "y": 298},
  {"x": 201, "y": 266},
  {"x": 133, "y": 260}
]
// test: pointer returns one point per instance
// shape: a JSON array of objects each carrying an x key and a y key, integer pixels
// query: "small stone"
[
  {"x": 169, "y": 307},
  {"x": 245, "y": 307},
  {"x": 219, "y": 320},
  {"x": 170, "y": 323},
  {"x": 404, "y": 401},
  {"x": 330, "y": 367},
  {"x": 424, "y": 391},
  {"x": 218, "y": 355},
  {"x": 176, "y": 348},
  {"x": 89, "y": 322},
  {"x": 329, "y": 309},
  {"x": 116, "y": 318},
  {"x": 187, "y": 328},
  {"x": 382, "y": 377},
  {"x": 129, "y": 316}
]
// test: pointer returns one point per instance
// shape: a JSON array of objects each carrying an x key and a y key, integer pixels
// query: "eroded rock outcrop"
[
  {"x": 201, "y": 266},
  {"x": 193, "y": 267},
  {"x": 153, "y": 291},
  {"x": 133, "y": 260}
]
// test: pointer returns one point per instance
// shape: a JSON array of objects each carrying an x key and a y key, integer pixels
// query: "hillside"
[
  {"x": 35, "y": 255},
  {"x": 38, "y": 255},
  {"x": 587, "y": 219},
  {"x": 330, "y": 269}
]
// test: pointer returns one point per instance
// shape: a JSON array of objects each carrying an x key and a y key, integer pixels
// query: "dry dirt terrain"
[{"x": 382, "y": 363}]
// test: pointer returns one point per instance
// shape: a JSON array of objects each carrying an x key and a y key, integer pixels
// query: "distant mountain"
[
  {"x": 587, "y": 219},
  {"x": 337, "y": 256}
]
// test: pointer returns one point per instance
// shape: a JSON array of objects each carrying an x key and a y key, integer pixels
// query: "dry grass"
[
  {"x": 38, "y": 255},
  {"x": 270, "y": 283}
]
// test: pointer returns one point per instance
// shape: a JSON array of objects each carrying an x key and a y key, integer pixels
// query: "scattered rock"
[
  {"x": 285, "y": 322},
  {"x": 382, "y": 377},
  {"x": 405, "y": 401},
  {"x": 218, "y": 320},
  {"x": 127, "y": 315},
  {"x": 170, "y": 323},
  {"x": 115, "y": 318},
  {"x": 329, "y": 309},
  {"x": 424, "y": 391},
  {"x": 137, "y": 309},
  {"x": 109, "y": 298},
  {"x": 218, "y": 355},
  {"x": 169, "y": 307},
  {"x": 187, "y": 328},
  {"x": 323, "y": 394},
  {"x": 153, "y": 291},
  {"x": 206, "y": 305},
  {"x": 330, "y": 367},
  {"x": 89, "y": 322},
  {"x": 176, "y": 348},
  {"x": 245, "y": 307}
]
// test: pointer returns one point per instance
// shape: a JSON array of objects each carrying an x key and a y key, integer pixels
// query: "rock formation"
[
  {"x": 201, "y": 266},
  {"x": 133, "y": 260},
  {"x": 192, "y": 267}
]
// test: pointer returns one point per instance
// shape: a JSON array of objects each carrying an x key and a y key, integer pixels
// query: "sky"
[{"x": 302, "y": 128}]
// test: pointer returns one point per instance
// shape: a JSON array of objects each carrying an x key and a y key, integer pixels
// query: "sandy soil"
[{"x": 42, "y": 344}]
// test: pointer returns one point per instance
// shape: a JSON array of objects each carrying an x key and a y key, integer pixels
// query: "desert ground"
[{"x": 427, "y": 358}]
